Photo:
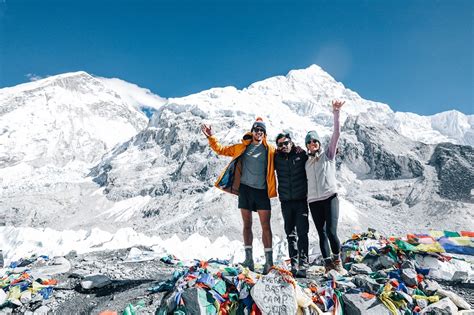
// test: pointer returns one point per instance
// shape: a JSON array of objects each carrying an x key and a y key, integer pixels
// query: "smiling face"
[
  {"x": 313, "y": 145},
  {"x": 257, "y": 134},
  {"x": 284, "y": 144}
]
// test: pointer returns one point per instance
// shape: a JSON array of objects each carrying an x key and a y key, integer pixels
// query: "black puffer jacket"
[{"x": 291, "y": 173}]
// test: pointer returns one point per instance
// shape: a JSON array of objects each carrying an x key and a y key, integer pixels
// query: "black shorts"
[{"x": 253, "y": 199}]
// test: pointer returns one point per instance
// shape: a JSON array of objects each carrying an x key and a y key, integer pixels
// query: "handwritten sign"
[{"x": 274, "y": 296}]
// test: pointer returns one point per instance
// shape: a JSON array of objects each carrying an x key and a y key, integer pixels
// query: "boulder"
[
  {"x": 442, "y": 307},
  {"x": 355, "y": 304},
  {"x": 95, "y": 281}
]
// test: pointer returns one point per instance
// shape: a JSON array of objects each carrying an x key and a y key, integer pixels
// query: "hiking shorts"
[{"x": 253, "y": 199}]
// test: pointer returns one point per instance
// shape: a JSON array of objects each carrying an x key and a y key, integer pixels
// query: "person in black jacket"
[{"x": 292, "y": 191}]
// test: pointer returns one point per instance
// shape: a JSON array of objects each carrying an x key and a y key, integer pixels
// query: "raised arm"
[
  {"x": 336, "y": 108},
  {"x": 214, "y": 143}
]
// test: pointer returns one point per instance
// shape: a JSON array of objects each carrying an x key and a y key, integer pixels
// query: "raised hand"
[
  {"x": 336, "y": 105},
  {"x": 206, "y": 130}
]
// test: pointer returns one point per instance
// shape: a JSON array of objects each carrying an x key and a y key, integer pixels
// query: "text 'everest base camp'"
[{"x": 108, "y": 202}]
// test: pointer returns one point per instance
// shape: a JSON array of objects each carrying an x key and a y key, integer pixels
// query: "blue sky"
[{"x": 416, "y": 56}]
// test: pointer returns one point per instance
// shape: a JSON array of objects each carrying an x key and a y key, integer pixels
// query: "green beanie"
[{"x": 311, "y": 135}]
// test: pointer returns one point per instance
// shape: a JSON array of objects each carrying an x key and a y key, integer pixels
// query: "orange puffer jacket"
[{"x": 229, "y": 180}]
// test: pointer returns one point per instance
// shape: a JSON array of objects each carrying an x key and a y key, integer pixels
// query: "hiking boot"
[
  {"x": 303, "y": 266},
  {"x": 301, "y": 273},
  {"x": 268, "y": 261},
  {"x": 248, "y": 262},
  {"x": 337, "y": 263},
  {"x": 328, "y": 266},
  {"x": 293, "y": 270}
]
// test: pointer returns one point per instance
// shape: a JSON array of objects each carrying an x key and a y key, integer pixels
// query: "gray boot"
[
  {"x": 303, "y": 266},
  {"x": 248, "y": 262},
  {"x": 268, "y": 260}
]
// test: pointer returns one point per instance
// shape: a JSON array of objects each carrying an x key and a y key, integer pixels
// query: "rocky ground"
[{"x": 118, "y": 283}]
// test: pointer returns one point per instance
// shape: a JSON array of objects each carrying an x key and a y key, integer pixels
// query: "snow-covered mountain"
[
  {"x": 51, "y": 132},
  {"x": 157, "y": 175}
]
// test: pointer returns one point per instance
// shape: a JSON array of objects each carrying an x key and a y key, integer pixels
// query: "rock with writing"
[{"x": 274, "y": 295}]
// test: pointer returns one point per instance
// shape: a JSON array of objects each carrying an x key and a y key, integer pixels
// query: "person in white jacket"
[{"x": 322, "y": 192}]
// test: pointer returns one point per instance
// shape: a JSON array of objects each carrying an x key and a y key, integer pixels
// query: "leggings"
[{"x": 325, "y": 215}]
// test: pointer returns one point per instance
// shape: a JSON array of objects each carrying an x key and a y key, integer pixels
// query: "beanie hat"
[
  {"x": 260, "y": 124},
  {"x": 284, "y": 134},
  {"x": 311, "y": 135}
]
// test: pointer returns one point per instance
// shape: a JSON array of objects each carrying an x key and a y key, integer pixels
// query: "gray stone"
[
  {"x": 409, "y": 277},
  {"x": 360, "y": 269},
  {"x": 95, "y": 281},
  {"x": 408, "y": 264},
  {"x": 443, "y": 307},
  {"x": 460, "y": 276},
  {"x": 273, "y": 295},
  {"x": 386, "y": 261},
  {"x": 430, "y": 287},
  {"x": 355, "y": 304},
  {"x": 454, "y": 165},
  {"x": 366, "y": 284},
  {"x": 422, "y": 303},
  {"x": 43, "y": 310},
  {"x": 79, "y": 273}
]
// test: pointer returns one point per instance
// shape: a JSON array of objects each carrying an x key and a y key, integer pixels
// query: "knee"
[{"x": 332, "y": 233}]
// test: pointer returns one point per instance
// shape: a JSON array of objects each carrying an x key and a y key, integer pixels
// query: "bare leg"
[
  {"x": 247, "y": 229},
  {"x": 265, "y": 216}
]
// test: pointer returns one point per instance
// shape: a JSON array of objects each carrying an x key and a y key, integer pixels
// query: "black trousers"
[
  {"x": 295, "y": 216},
  {"x": 325, "y": 215}
]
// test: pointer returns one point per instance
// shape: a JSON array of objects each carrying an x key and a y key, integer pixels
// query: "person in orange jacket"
[{"x": 251, "y": 176}]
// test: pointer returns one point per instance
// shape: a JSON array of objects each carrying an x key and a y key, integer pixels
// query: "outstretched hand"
[
  {"x": 206, "y": 130},
  {"x": 336, "y": 105}
]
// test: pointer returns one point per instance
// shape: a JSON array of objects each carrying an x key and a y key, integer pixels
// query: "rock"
[
  {"x": 430, "y": 287},
  {"x": 360, "y": 269},
  {"x": 421, "y": 303},
  {"x": 459, "y": 301},
  {"x": 43, "y": 310},
  {"x": 408, "y": 264},
  {"x": 409, "y": 277},
  {"x": 386, "y": 261},
  {"x": 273, "y": 295},
  {"x": 60, "y": 265},
  {"x": 72, "y": 254},
  {"x": 355, "y": 304},
  {"x": 444, "y": 306},
  {"x": 3, "y": 297},
  {"x": 443, "y": 270},
  {"x": 79, "y": 273},
  {"x": 454, "y": 165},
  {"x": 460, "y": 276},
  {"x": 95, "y": 281},
  {"x": 366, "y": 284}
]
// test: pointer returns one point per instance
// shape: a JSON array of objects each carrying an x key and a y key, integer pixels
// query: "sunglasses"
[
  {"x": 257, "y": 130},
  {"x": 284, "y": 143},
  {"x": 312, "y": 141}
]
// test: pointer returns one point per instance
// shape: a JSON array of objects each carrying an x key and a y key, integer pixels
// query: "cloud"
[
  {"x": 33, "y": 77},
  {"x": 133, "y": 94}
]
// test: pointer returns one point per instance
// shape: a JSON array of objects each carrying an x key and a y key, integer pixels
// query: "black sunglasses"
[
  {"x": 312, "y": 141},
  {"x": 259, "y": 130},
  {"x": 284, "y": 143}
]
